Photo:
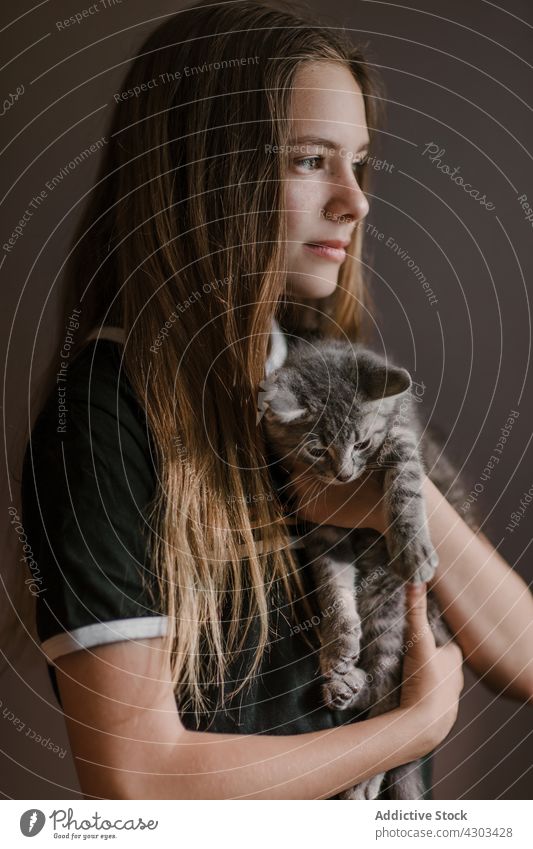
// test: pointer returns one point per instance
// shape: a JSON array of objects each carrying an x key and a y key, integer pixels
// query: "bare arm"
[
  {"x": 485, "y": 602},
  {"x": 129, "y": 743}
]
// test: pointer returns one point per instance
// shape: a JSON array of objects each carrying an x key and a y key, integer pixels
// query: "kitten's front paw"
[
  {"x": 417, "y": 561},
  {"x": 344, "y": 687}
]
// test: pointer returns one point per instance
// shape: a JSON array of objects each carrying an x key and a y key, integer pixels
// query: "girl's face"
[{"x": 323, "y": 200}]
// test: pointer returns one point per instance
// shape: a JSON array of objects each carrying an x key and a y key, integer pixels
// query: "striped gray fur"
[{"x": 342, "y": 410}]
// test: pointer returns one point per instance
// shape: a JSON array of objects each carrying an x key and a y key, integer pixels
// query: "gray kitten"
[{"x": 342, "y": 409}]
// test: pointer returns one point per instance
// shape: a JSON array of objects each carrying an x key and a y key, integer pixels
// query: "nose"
[
  {"x": 347, "y": 201},
  {"x": 344, "y": 475}
]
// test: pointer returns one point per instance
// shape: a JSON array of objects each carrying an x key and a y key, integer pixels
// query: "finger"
[
  {"x": 459, "y": 652},
  {"x": 418, "y": 629},
  {"x": 416, "y": 597}
]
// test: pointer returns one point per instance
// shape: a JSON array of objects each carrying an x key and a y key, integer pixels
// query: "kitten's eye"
[
  {"x": 316, "y": 451},
  {"x": 362, "y": 446}
]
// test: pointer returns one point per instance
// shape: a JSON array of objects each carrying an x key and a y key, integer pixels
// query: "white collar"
[{"x": 275, "y": 359}]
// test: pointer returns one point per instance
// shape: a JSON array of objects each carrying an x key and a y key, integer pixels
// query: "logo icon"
[{"x": 31, "y": 822}]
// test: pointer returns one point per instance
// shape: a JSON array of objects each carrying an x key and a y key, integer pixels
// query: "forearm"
[
  {"x": 304, "y": 766},
  {"x": 486, "y": 604},
  {"x": 354, "y": 505}
]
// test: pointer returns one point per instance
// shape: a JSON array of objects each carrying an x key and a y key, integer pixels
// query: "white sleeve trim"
[{"x": 101, "y": 633}]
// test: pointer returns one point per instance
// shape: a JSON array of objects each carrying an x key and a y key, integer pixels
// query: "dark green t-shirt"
[{"x": 88, "y": 479}]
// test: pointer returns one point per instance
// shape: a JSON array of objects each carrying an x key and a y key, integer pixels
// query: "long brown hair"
[{"x": 186, "y": 220}]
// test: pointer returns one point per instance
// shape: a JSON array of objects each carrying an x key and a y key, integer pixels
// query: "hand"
[
  {"x": 359, "y": 504},
  {"x": 432, "y": 677}
]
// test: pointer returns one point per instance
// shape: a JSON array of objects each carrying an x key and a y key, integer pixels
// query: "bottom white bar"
[{"x": 292, "y": 824}]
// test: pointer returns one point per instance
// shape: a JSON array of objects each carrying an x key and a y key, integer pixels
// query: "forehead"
[{"x": 327, "y": 101}]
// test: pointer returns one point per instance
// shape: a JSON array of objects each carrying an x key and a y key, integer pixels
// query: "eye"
[
  {"x": 316, "y": 450},
  {"x": 362, "y": 446},
  {"x": 309, "y": 160},
  {"x": 359, "y": 167}
]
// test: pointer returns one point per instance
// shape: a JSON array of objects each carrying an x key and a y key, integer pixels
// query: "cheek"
[{"x": 302, "y": 201}]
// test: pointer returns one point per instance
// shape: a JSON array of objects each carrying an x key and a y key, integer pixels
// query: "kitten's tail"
[{"x": 405, "y": 781}]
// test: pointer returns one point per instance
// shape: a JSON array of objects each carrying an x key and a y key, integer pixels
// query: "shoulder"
[
  {"x": 91, "y": 406},
  {"x": 97, "y": 379},
  {"x": 87, "y": 488},
  {"x": 90, "y": 442}
]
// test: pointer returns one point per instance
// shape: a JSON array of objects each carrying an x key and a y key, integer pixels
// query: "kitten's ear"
[
  {"x": 385, "y": 382},
  {"x": 278, "y": 402}
]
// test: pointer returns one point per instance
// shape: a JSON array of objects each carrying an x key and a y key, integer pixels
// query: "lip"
[{"x": 332, "y": 249}]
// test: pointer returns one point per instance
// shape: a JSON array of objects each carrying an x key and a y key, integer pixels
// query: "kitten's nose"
[{"x": 343, "y": 476}]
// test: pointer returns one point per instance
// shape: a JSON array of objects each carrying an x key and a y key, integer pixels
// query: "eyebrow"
[{"x": 327, "y": 142}]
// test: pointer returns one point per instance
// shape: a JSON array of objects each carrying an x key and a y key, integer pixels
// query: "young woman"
[{"x": 173, "y": 586}]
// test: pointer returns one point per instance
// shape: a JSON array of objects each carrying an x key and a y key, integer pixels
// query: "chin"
[
  {"x": 309, "y": 286},
  {"x": 335, "y": 482},
  {"x": 331, "y": 480}
]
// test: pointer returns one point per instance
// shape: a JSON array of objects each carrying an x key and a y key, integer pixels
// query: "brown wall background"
[{"x": 458, "y": 76}]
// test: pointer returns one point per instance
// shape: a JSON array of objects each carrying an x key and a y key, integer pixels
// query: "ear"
[
  {"x": 385, "y": 382},
  {"x": 277, "y": 402}
]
